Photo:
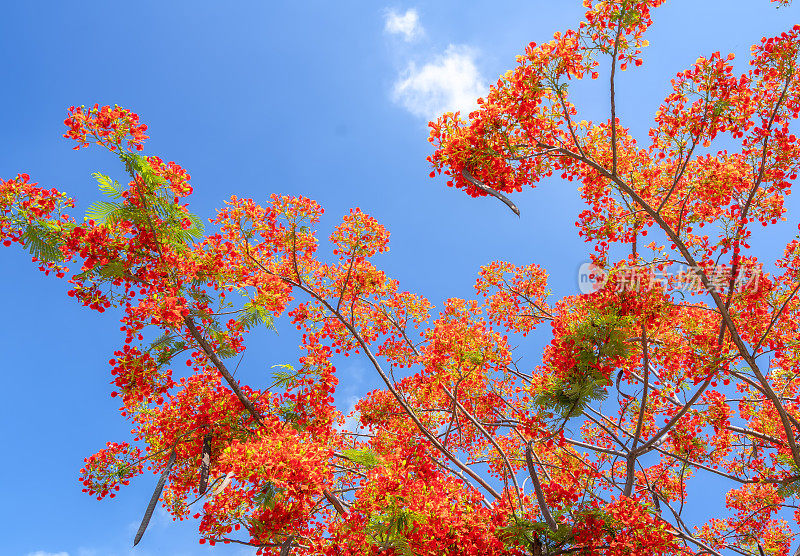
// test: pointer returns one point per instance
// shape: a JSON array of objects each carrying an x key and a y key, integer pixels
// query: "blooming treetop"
[{"x": 639, "y": 392}]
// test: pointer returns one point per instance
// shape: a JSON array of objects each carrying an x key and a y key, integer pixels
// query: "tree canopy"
[{"x": 678, "y": 360}]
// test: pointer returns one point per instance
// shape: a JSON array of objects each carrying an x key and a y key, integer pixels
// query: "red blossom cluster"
[
  {"x": 112, "y": 467},
  {"x": 106, "y": 126}
]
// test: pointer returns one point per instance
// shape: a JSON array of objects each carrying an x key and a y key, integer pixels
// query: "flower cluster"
[{"x": 106, "y": 126}]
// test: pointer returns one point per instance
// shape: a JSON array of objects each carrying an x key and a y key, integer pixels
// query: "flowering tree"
[{"x": 640, "y": 391}]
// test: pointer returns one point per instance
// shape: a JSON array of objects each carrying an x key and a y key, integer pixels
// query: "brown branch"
[
  {"x": 376, "y": 365},
  {"x": 735, "y": 337},
  {"x": 491, "y": 439},
  {"x": 613, "y": 96},
  {"x": 537, "y": 487},
  {"x": 211, "y": 354},
  {"x": 486, "y": 189},
  {"x": 632, "y": 455}
]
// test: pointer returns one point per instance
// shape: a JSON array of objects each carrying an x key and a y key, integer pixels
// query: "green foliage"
[
  {"x": 224, "y": 349},
  {"x": 199, "y": 295},
  {"x": 43, "y": 242},
  {"x": 367, "y": 458},
  {"x": 525, "y": 534},
  {"x": 139, "y": 165},
  {"x": 475, "y": 357},
  {"x": 601, "y": 337},
  {"x": 165, "y": 347},
  {"x": 109, "y": 187},
  {"x": 571, "y": 395},
  {"x": 289, "y": 415},
  {"x": 104, "y": 212},
  {"x": 791, "y": 488},
  {"x": 720, "y": 106},
  {"x": 285, "y": 378},
  {"x": 269, "y": 495},
  {"x": 595, "y": 342},
  {"x": 111, "y": 270},
  {"x": 254, "y": 314},
  {"x": 390, "y": 528},
  {"x": 610, "y": 524},
  {"x": 171, "y": 216},
  {"x": 521, "y": 533},
  {"x": 563, "y": 534},
  {"x": 266, "y": 498}
]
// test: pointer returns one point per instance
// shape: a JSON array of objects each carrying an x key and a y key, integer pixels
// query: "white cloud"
[
  {"x": 450, "y": 82},
  {"x": 406, "y": 24},
  {"x": 43, "y": 553}
]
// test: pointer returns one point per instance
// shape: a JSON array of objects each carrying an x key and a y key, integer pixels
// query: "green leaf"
[
  {"x": 139, "y": 164},
  {"x": 104, "y": 212},
  {"x": 112, "y": 269},
  {"x": 290, "y": 416},
  {"x": 563, "y": 533},
  {"x": 166, "y": 347},
  {"x": 596, "y": 340},
  {"x": 197, "y": 229},
  {"x": 367, "y": 458},
  {"x": 199, "y": 295},
  {"x": 475, "y": 357},
  {"x": 108, "y": 186},
  {"x": 269, "y": 495},
  {"x": 789, "y": 490},
  {"x": 390, "y": 529},
  {"x": 284, "y": 379},
  {"x": 521, "y": 532},
  {"x": 254, "y": 315},
  {"x": 42, "y": 244},
  {"x": 224, "y": 349}
]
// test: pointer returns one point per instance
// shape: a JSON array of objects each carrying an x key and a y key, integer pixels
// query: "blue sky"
[{"x": 324, "y": 99}]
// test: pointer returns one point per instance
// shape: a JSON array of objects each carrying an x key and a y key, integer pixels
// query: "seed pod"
[
  {"x": 205, "y": 463},
  {"x": 148, "y": 513}
]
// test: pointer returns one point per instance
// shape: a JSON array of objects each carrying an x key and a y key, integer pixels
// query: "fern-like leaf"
[
  {"x": 367, "y": 458},
  {"x": 104, "y": 212},
  {"x": 42, "y": 244},
  {"x": 111, "y": 270},
  {"x": 110, "y": 187},
  {"x": 285, "y": 378},
  {"x": 269, "y": 495},
  {"x": 789, "y": 490},
  {"x": 255, "y": 314}
]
